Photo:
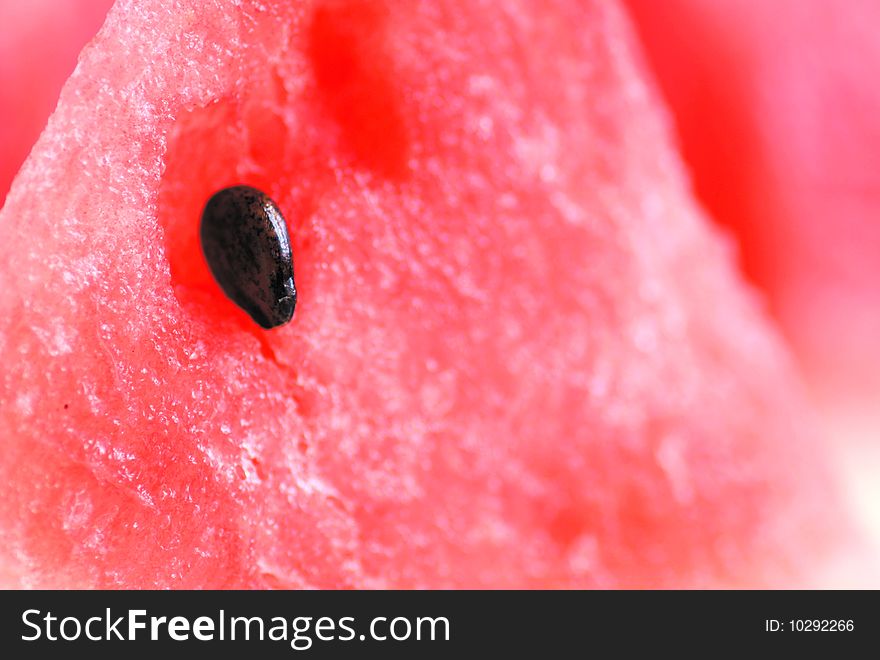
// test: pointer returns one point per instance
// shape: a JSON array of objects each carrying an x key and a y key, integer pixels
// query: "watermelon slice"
[{"x": 520, "y": 357}]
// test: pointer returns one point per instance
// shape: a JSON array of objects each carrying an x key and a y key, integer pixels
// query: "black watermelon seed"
[{"x": 245, "y": 241}]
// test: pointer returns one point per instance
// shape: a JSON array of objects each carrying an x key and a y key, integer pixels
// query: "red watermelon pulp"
[{"x": 520, "y": 356}]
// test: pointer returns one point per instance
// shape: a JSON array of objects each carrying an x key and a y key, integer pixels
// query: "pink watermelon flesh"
[{"x": 520, "y": 356}]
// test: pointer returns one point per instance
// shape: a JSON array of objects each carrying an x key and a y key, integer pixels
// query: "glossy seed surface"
[{"x": 247, "y": 247}]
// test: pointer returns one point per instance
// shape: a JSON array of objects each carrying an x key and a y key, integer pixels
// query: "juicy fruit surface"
[{"x": 520, "y": 357}]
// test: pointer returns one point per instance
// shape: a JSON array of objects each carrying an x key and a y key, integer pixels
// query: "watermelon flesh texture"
[{"x": 520, "y": 357}]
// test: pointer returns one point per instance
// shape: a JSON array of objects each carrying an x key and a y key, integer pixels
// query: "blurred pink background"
[
  {"x": 778, "y": 116},
  {"x": 39, "y": 43}
]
